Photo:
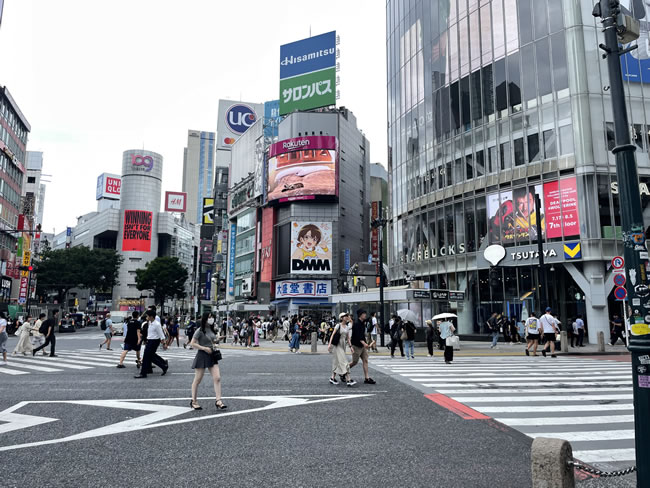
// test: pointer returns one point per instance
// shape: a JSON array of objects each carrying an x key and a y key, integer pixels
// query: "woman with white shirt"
[
  {"x": 340, "y": 364},
  {"x": 23, "y": 346},
  {"x": 447, "y": 330},
  {"x": 205, "y": 342}
]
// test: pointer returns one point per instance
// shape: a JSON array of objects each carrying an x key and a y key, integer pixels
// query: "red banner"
[
  {"x": 561, "y": 208},
  {"x": 137, "y": 230}
]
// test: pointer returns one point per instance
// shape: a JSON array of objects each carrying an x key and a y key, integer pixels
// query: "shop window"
[
  {"x": 550, "y": 145},
  {"x": 519, "y": 152},
  {"x": 506, "y": 158},
  {"x": 481, "y": 220}
]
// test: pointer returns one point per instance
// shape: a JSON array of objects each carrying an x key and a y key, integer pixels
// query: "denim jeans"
[
  {"x": 495, "y": 338},
  {"x": 409, "y": 345}
]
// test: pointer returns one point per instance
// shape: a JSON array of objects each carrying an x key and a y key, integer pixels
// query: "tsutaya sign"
[
  {"x": 520, "y": 255},
  {"x": 433, "y": 252}
]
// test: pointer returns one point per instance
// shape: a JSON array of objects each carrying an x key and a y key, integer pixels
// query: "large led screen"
[{"x": 302, "y": 168}]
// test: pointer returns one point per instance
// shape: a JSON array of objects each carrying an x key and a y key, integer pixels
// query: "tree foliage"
[
  {"x": 63, "y": 269},
  {"x": 164, "y": 276}
]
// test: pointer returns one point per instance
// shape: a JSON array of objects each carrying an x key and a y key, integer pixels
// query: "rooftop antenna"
[{"x": 309, "y": 30}]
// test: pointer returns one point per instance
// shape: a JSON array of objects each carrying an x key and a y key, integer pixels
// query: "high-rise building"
[
  {"x": 198, "y": 172},
  {"x": 491, "y": 104},
  {"x": 34, "y": 190}
]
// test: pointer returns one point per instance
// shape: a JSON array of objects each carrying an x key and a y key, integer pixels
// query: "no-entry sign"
[{"x": 620, "y": 293}]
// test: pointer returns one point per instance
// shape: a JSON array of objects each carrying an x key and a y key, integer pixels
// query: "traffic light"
[{"x": 26, "y": 268}]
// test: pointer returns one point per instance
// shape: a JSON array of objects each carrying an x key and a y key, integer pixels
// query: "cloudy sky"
[{"x": 96, "y": 78}]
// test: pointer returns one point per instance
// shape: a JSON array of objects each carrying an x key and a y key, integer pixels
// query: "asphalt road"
[{"x": 285, "y": 425}]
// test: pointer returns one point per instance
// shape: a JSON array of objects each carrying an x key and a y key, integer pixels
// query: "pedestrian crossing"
[
  {"x": 588, "y": 402},
  {"x": 88, "y": 359}
]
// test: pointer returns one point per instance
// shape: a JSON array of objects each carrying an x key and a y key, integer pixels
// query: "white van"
[{"x": 118, "y": 318}]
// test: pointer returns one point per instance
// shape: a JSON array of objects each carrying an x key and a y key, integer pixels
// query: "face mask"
[{"x": 210, "y": 321}]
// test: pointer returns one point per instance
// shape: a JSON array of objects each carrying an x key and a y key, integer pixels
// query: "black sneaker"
[
  {"x": 527, "y": 353},
  {"x": 121, "y": 366},
  {"x": 333, "y": 381},
  {"x": 369, "y": 381},
  {"x": 553, "y": 355},
  {"x": 351, "y": 383},
  {"x": 544, "y": 352}
]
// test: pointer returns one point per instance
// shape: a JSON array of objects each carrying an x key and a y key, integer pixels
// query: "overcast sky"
[{"x": 96, "y": 78}]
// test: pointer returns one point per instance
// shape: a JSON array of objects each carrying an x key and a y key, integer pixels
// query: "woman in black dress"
[{"x": 205, "y": 341}]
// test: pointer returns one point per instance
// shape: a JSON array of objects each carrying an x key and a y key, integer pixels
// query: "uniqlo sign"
[
  {"x": 108, "y": 186},
  {"x": 113, "y": 186}
]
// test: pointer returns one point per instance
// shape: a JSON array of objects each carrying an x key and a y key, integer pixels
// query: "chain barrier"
[{"x": 604, "y": 474}]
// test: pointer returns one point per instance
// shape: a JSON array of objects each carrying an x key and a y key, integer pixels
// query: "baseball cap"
[
  {"x": 548, "y": 309},
  {"x": 343, "y": 314}
]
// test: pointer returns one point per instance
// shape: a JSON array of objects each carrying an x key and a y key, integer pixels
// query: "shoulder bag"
[
  {"x": 216, "y": 355},
  {"x": 404, "y": 335},
  {"x": 336, "y": 338}
]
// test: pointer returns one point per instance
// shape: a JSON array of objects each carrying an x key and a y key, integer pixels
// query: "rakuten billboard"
[
  {"x": 302, "y": 168},
  {"x": 108, "y": 186}
]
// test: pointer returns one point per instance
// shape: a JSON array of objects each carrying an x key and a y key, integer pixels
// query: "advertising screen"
[
  {"x": 311, "y": 247},
  {"x": 208, "y": 211},
  {"x": 137, "y": 230},
  {"x": 561, "y": 208},
  {"x": 512, "y": 217},
  {"x": 175, "y": 201},
  {"x": 301, "y": 168},
  {"x": 636, "y": 63}
]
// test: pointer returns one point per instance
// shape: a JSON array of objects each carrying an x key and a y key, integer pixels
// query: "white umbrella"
[
  {"x": 407, "y": 315},
  {"x": 443, "y": 316}
]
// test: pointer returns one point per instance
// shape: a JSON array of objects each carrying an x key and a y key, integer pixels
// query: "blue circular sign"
[
  {"x": 240, "y": 117},
  {"x": 619, "y": 279},
  {"x": 620, "y": 293}
]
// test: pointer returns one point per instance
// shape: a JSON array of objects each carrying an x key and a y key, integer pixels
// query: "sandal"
[
  {"x": 220, "y": 405},
  {"x": 195, "y": 406}
]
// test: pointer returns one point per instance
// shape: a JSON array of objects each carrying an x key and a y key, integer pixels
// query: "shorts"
[
  {"x": 359, "y": 353},
  {"x": 131, "y": 347},
  {"x": 549, "y": 336},
  {"x": 108, "y": 335},
  {"x": 532, "y": 336}
]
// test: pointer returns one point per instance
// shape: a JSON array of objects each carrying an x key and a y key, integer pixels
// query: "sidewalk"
[{"x": 467, "y": 348}]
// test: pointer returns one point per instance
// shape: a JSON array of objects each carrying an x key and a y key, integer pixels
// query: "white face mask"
[{"x": 210, "y": 321}]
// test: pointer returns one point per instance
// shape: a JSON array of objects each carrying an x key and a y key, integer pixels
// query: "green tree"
[
  {"x": 63, "y": 269},
  {"x": 164, "y": 276}
]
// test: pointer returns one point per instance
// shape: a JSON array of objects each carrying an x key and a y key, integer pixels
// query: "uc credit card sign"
[{"x": 308, "y": 55}]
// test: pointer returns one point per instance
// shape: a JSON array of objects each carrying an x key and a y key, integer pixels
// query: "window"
[{"x": 31, "y": 179}]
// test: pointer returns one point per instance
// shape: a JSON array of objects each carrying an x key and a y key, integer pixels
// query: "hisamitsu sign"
[{"x": 137, "y": 230}]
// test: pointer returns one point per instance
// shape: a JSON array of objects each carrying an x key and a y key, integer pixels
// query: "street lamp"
[{"x": 379, "y": 224}]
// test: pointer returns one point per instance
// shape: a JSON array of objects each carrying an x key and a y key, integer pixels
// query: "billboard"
[
  {"x": 311, "y": 248},
  {"x": 308, "y": 73},
  {"x": 175, "y": 201},
  {"x": 271, "y": 120},
  {"x": 512, "y": 217},
  {"x": 231, "y": 258},
  {"x": 137, "y": 230},
  {"x": 234, "y": 119},
  {"x": 636, "y": 64},
  {"x": 301, "y": 168},
  {"x": 208, "y": 211},
  {"x": 108, "y": 186},
  {"x": 303, "y": 288}
]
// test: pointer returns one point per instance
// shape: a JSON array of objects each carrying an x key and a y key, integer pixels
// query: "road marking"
[
  {"x": 598, "y": 435},
  {"x": 459, "y": 409},
  {"x": 44, "y": 369},
  {"x": 7, "y": 370},
  {"x": 605, "y": 455},
  {"x": 162, "y": 412},
  {"x": 539, "y": 421},
  {"x": 55, "y": 362},
  {"x": 543, "y": 398},
  {"x": 496, "y": 391},
  {"x": 16, "y": 421}
]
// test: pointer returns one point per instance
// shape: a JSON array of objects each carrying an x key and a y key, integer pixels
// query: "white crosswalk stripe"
[
  {"x": 88, "y": 359},
  {"x": 588, "y": 402}
]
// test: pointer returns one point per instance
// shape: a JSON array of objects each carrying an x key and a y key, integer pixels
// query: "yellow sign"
[
  {"x": 24, "y": 274},
  {"x": 640, "y": 329},
  {"x": 27, "y": 257}
]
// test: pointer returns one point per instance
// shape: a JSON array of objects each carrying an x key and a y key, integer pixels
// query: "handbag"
[
  {"x": 404, "y": 335},
  {"x": 453, "y": 341},
  {"x": 336, "y": 337},
  {"x": 216, "y": 355}
]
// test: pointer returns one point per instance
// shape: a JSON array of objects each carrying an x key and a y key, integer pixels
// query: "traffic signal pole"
[{"x": 635, "y": 251}]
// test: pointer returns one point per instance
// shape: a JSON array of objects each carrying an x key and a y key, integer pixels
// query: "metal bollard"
[
  {"x": 550, "y": 463},
  {"x": 314, "y": 342},
  {"x": 564, "y": 342},
  {"x": 601, "y": 341}
]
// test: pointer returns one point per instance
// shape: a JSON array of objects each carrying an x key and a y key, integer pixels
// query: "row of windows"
[
  {"x": 11, "y": 170},
  {"x": 8, "y": 114},
  {"x": 11, "y": 143}
]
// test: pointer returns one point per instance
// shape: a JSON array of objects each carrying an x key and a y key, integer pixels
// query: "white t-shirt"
[
  {"x": 3, "y": 325},
  {"x": 548, "y": 322},
  {"x": 532, "y": 325},
  {"x": 374, "y": 325}
]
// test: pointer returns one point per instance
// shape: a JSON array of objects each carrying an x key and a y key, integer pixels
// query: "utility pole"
[
  {"x": 543, "y": 296},
  {"x": 379, "y": 224},
  {"x": 622, "y": 29}
]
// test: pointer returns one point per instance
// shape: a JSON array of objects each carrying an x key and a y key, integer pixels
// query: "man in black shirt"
[
  {"x": 359, "y": 345},
  {"x": 47, "y": 329},
  {"x": 132, "y": 339}
]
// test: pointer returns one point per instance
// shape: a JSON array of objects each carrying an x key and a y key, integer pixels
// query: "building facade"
[
  {"x": 34, "y": 189},
  {"x": 198, "y": 171},
  {"x": 491, "y": 103}
]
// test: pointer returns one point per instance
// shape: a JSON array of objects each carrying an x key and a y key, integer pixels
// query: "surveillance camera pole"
[{"x": 635, "y": 252}]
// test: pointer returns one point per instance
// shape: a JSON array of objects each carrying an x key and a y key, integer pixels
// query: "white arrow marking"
[
  {"x": 161, "y": 412},
  {"x": 16, "y": 421}
]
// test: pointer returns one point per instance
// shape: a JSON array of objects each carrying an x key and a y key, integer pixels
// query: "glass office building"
[{"x": 491, "y": 103}]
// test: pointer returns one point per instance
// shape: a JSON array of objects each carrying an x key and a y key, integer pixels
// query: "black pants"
[
  {"x": 580, "y": 338},
  {"x": 616, "y": 333},
  {"x": 441, "y": 343},
  {"x": 430, "y": 346},
  {"x": 51, "y": 340},
  {"x": 449, "y": 353},
  {"x": 150, "y": 356},
  {"x": 394, "y": 344}
]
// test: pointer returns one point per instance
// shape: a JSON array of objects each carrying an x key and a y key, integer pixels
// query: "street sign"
[
  {"x": 618, "y": 262},
  {"x": 619, "y": 279},
  {"x": 620, "y": 293}
]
